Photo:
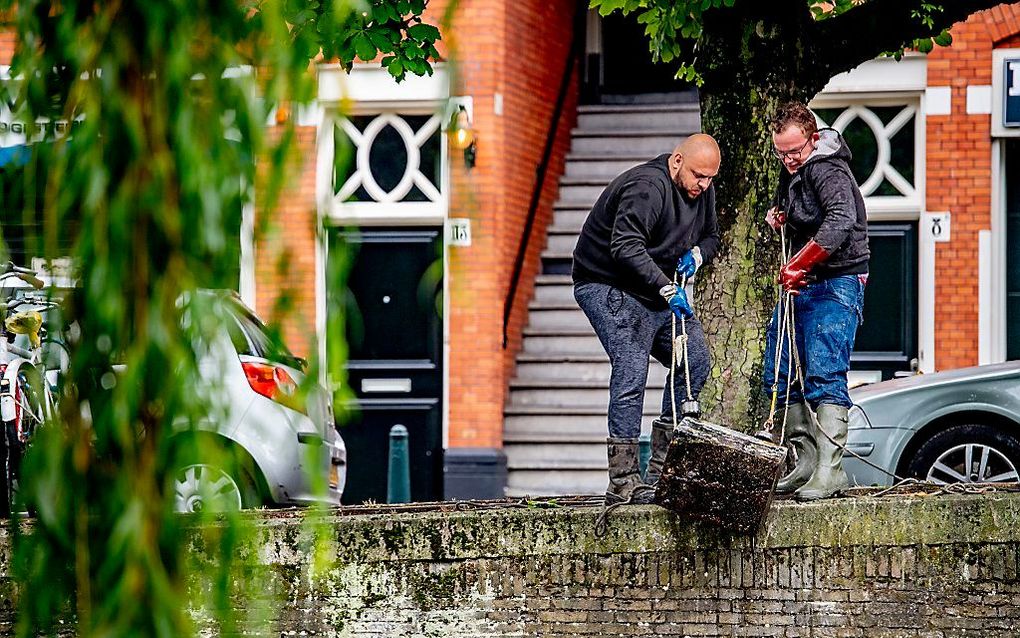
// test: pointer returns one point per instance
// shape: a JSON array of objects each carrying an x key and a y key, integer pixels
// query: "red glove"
[
  {"x": 793, "y": 274},
  {"x": 775, "y": 218}
]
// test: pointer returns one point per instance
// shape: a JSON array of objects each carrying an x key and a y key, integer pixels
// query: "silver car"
[
  {"x": 260, "y": 445},
  {"x": 282, "y": 445},
  {"x": 959, "y": 426}
]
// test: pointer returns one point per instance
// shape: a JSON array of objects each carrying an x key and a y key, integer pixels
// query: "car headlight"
[{"x": 858, "y": 420}]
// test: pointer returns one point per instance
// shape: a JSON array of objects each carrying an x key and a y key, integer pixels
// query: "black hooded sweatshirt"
[
  {"x": 638, "y": 229},
  {"x": 822, "y": 202}
]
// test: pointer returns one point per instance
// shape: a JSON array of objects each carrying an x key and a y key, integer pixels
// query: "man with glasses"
[
  {"x": 653, "y": 223},
  {"x": 820, "y": 208}
]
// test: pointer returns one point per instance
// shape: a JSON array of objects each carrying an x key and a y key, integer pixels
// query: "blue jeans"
[
  {"x": 826, "y": 315},
  {"x": 630, "y": 332}
]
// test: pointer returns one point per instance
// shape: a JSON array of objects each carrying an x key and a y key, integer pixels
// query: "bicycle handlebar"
[{"x": 24, "y": 274}]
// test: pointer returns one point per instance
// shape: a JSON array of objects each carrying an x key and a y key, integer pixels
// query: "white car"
[{"x": 263, "y": 443}]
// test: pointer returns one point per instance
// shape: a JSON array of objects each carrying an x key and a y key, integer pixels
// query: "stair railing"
[{"x": 573, "y": 54}]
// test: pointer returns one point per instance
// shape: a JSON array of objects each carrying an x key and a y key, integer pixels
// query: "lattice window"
[
  {"x": 884, "y": 141},
  {"x": 388, "y": 159}
]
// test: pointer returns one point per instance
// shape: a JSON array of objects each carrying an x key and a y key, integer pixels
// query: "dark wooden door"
[
  {"x": 887, "y": 340},
  {"x": 391, "y": 310}
]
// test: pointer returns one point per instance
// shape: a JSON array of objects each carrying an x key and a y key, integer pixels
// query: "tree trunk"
[{"x": 749, "y": 70}]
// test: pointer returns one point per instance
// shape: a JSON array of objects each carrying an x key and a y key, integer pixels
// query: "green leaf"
[
  {"x": 380, "y": 15},
  {"x": 380, "y": 40},
  {"x": 395, "y": 67},
  {"x": 423, "y": 32},
  {"x": 403, "y": 7},
  {"x": 924, "y": 45},
  {"x": 609, "y": 6},
  {"x": 364, "y": 48},
  {"x": 944, "y": 39}
]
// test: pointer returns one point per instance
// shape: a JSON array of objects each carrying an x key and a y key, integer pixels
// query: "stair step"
[
  {"x": 594, "y": 166},
  {"x": 548, "y": 343},
  {"x": 570, "y": 217},
  {"x": 562, "y": 241},
  {"x": 683, "y": 118},
  {"x": 556, "y": 317},
  {"x": 542, "y": 424},
  {"x": 562, "y": 483},
  {"x": 583, "y": 456},
  {"x": 562, "y": 341},
  {"x": 570, "y": 397},
  {"x": 581, "y": 372},
  {"x": 587, "y": 191},
  {"x": 557, "y": 255},
  {"x": 558, "y": 291},
  {"x": 542, "y": 437},
  {"x": 645, "y": 142}
]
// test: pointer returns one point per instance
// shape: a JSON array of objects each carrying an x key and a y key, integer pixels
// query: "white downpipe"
[
  {"x": 926, "y": 301},
  {"x": 985, "y": 277}
]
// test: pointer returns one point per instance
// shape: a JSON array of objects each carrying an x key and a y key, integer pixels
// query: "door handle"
[{"x": 385, "y": 385}]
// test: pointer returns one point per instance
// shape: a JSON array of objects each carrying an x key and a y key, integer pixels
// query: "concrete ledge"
[{"x": 539, "y": 531}]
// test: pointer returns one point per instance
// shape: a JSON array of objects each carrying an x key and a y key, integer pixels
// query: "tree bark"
[{"x": 750, "y": 65}]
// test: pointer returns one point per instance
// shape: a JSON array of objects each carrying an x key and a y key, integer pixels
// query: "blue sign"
[{"x": 1011, "y": 92}]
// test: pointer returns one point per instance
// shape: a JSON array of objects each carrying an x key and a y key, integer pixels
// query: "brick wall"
[
  {"x": 285, "y": 268},
  {"x": 515, "y": 50},
  {"x": 959, "y": 156},
  {"x": 934, "y": 566}
]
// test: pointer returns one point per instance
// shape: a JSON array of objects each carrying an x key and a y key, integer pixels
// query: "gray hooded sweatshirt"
[{"x": 822, "y": 202}]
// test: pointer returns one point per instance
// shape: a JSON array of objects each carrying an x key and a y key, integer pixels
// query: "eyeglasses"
[{"x": 794, "y": 153}]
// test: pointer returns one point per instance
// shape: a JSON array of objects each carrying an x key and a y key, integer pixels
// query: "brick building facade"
[{"x": 936, "y": 146}]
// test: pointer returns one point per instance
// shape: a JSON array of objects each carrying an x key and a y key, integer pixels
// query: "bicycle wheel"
[{"x": 32, "y": 407}]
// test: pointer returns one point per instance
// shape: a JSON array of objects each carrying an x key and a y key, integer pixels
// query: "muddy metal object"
[{"x": 719, "y": 476}]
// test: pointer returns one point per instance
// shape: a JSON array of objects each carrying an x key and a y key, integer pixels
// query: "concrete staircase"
[{"x": 555, "y": 418}]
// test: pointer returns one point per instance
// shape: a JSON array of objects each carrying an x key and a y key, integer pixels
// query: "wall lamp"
[{"x": 462, "y": 132}]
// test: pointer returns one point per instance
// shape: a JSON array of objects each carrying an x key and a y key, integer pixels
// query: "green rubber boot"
[
  {"x": 625, "y": 482},
  {"x": 800, "y": 433},
  {"x": 829, "y": 478},
  {"x": 662, "y": 434}
]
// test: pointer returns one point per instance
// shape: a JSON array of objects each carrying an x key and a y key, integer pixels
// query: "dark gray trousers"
[{"x": 630, "y": 332}]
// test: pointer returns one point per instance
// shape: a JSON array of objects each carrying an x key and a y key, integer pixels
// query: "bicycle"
[{"x": 26, "y": 400}]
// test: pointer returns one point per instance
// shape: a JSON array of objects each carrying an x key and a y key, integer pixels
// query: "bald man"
[{"x": 654, "y": 222}]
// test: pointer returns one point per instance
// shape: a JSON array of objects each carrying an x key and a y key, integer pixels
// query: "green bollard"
[
  {"x": 644, "y": 452},
  {"x": 398, "y": 481}
]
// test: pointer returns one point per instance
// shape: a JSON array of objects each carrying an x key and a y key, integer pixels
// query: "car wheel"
[
  {"x": 970, "y": 453},
  {"x": 203, "y": 487}
]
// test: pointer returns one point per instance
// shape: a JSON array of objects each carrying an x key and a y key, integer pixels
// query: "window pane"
[
  {"x": 388, "y": 158},
  {"x": 862, "y": 144},
  {"x": 902, "y": 147}
]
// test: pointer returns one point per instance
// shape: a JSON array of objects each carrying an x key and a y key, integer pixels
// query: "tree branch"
[{"x": 877, "y": 26}]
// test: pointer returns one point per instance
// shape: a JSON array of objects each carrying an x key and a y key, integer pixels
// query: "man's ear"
[{"x": 816, "y": 136}]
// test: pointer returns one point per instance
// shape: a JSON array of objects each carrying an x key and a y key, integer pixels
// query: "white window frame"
[
  {"x": 885, "y": 208},
  {"x": 384, "y": 210}
]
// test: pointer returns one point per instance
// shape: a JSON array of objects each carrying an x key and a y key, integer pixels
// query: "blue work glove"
[
  {"x": 680, "y": 306},
  {"x": 687, "y": 265}
]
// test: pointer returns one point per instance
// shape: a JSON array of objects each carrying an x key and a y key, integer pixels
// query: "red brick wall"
[
  {"x": 517, "y": 50},
  {"x": 959, "y": 155},
  {"x": 285, "y": 268}
]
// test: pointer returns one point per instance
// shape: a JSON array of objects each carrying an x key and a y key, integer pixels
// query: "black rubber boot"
[
  {"x": 662, "y": 434},
  {"x": 625, "y": 484},
  {"x": 829, "y": 478},
  {"x": 799, "y": 433}
]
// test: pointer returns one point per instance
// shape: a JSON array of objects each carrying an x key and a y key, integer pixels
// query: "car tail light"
[{"x": 274, "y": 383}]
